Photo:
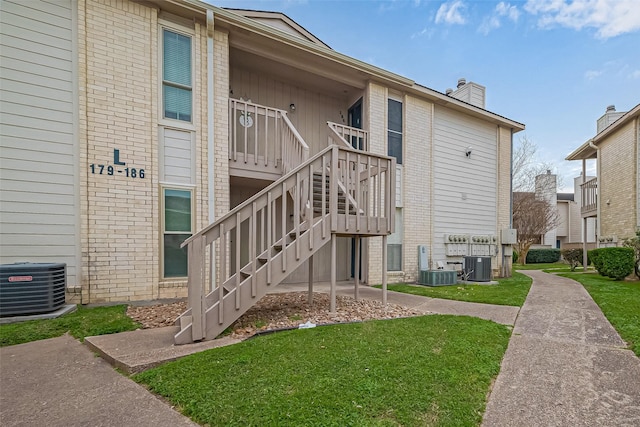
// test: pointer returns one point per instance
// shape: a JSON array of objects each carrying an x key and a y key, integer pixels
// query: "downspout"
[
  {"x": 509, "y": 267},
  {"x": 637, "y": 148},
  {"x": 598, "y": 189},
  {"x": 210, "y": 139}
]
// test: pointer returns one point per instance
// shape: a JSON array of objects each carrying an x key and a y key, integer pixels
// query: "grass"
[
  {"x": 510, "y": 291},
  {"x": 618, "y": 300},
  {"x": 421, "y": 371},
  {"x": 551, "y": 266},
  {"x": 84, "y": 322}
]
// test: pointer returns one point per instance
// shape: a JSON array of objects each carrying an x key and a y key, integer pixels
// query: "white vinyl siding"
[
  {"x": 465, "y": 193},
  {"x": 39, "y": 214},
  {"x": 177, "y": 156}
]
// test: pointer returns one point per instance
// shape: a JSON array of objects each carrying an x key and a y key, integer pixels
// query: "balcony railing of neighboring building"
[{"x": 589, "y": 199}]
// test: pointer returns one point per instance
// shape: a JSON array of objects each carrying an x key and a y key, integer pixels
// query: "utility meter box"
[
  {"x": 509, "y": 236},
  {"x": 423, "y": 258}
]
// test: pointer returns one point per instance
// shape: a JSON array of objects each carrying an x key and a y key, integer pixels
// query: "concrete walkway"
[
  {"x": 565, "y": 364},
  {"x": 60, "y": 382}
]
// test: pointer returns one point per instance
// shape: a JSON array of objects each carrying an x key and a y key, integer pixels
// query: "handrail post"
[
  {"x": 333, "y": 189},
  {"x": 195, "y": 254}
]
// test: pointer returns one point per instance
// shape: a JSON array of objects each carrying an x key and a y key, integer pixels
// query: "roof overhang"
[
  {"x": 264, "y": 40},
  {"x": 588, "y": 150}
]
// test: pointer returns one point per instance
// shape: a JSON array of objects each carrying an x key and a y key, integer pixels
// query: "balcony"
[{"x": 589, "y": 197}]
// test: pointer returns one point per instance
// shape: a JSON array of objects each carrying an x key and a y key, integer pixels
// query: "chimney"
[
  {"x": 461, "y": 82},
  {"x": 471, "y": 93},
  {"x": 609, "y": 116}
]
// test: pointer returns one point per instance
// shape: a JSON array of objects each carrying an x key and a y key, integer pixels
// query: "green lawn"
[
  {"x": 618, "y": 300},
  {"x": 421, "y": 371},
  {"x": 511, "y": 291},
  {"x": 82, "y": 323},
  {"x": 552, "y": 267}
]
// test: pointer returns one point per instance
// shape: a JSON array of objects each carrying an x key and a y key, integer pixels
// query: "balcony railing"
[
  {"x": 349, "y": 136},
  {"x": 263, "y": 139},
  {"x": 589, "y": 193}
]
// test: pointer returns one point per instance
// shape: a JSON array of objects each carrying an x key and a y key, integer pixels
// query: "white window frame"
[
  {"x": 163, "y": 231},
  {"x": 185, "y": 31}
]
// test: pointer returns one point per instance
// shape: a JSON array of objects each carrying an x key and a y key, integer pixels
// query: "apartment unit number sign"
[{"x": 116, "y": 168}]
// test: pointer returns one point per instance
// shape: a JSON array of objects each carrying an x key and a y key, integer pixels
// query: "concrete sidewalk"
[
  {"x": 59, "y": 382},
  {"x": 565, "y": 364}
]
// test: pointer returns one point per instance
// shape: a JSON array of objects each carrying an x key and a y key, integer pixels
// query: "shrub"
[
  {"x": 594, "y": 256},
  {"x": 634, "y": 243},
  {"x": 515, "y": 257},
  {"x": 616, "y": 263},
  {"x": 573, "y": 257},
  {"x": 537, "y": 256}
]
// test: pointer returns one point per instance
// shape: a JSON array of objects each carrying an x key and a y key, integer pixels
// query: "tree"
[
  {"x": 532, "y": 217},
  {"x": 533, "y": 214}
]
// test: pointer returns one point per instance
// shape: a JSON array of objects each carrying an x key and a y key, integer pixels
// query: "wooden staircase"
[{"x": 236, "y": 260}]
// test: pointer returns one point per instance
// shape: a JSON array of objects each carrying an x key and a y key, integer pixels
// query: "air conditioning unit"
[
  {"x": 477, "y": 268},
  {"x": 31, "y": 288},
  {"x": 437, "y": 277}
]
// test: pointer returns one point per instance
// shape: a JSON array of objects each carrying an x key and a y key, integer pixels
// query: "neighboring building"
[
  {"x": 568, "y": 233},
  {"x": 613, "y": 197},
  {"x": 130, "y": 126}
]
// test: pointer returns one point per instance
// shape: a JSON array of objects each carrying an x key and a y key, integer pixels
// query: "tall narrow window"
[
  {"x": 178, "y": 226},
  {"x": 394, "y": 130},
  {"x": 394, "y": 245},
  {"x": 176, "y": 76}
]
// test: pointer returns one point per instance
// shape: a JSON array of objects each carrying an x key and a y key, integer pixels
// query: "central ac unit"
[
  {"x": 477, "y": 268},
  {"x": 31, "y": 288}
]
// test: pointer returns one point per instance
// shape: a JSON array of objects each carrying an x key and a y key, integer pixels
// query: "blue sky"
[{"x": 553, "y": 65}]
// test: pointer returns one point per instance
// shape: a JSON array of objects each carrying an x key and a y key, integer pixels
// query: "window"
[
  {"x": 178, "y": 226},
  {"x": 394, "y": 130},
  {"x": 394, "y": 245},
  {"x": 176, "y": 76}
]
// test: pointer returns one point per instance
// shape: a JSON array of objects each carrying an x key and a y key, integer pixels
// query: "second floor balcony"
[{"x": 589, "y": 198}]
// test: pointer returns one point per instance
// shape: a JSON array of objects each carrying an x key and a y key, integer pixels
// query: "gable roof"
[
  {"x": 281, "y": 22},
  {"x": 588, "y": 150},
  {"x": 314, "y": 56}
]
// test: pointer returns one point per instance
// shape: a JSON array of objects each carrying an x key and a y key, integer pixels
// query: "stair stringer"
[{"x": 309, "y": 241}]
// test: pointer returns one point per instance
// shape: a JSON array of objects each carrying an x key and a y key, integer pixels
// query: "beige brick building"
[
  {"x": 613, "y": 196},
  {"x": 153, "y": 119}
]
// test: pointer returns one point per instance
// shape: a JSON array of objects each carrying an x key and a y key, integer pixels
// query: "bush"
[
  {"x": 537, "y": 256},
  {"x": 574, "y": 257},
  {"x": 594, "y": 256},
  {"x": 634, "y": 243},
  {"x": 616, "y": 263},
  {"x": 515, "y": 257}
]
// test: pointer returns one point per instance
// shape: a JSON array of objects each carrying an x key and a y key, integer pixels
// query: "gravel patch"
[{"x": 280, "y": 311}]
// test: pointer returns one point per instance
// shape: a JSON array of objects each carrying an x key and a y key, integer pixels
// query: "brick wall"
[
  {"x": 617, "y": 183},
  {"x": 118, "y": 110},
  {"x": 504, "y": 190},
  {"x": 375, "y": 107},
  {"x": 417, "y": 177}
]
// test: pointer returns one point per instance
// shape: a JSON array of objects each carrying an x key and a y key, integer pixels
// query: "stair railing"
[
  {"x": 244, "y": 240},
  {"x": 264, "y": 136},
  {"x": 349, "y": 136}
]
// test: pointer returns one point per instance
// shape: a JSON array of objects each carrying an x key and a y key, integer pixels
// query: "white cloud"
[
  {"x": 451, "y": 13},
  {"x": 425, "y": 32},
  {"x": 489, "y": 23},
  {"x": 635, "y": 74},
  {"x": 610, "y": 18},
  {"x": 494, "y": 21},
  {"x": 506, "y": 9},
  {"x": 592, "y": 74}
]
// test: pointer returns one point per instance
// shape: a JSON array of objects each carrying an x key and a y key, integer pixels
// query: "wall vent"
[{"x": 31, "y": 288}]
